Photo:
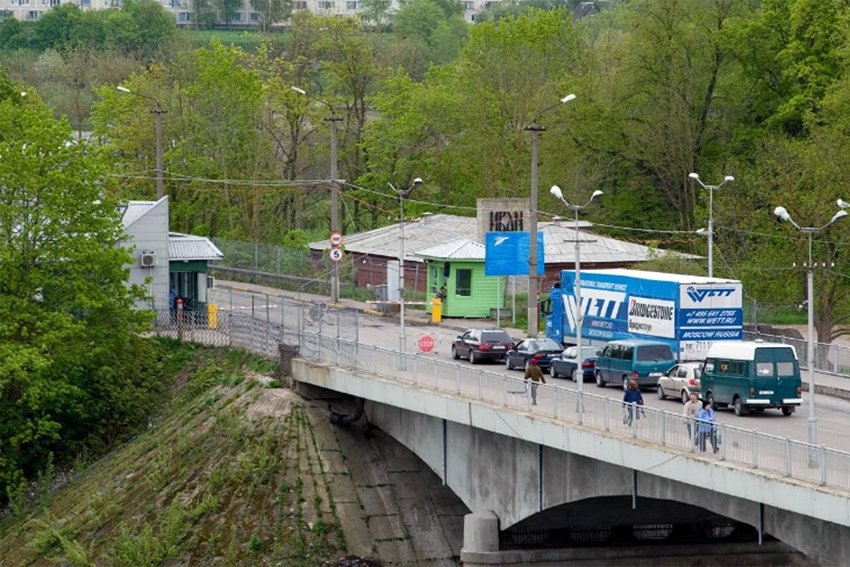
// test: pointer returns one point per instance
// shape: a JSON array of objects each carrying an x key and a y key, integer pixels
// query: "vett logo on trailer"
[{"x": 697, "y": 295}]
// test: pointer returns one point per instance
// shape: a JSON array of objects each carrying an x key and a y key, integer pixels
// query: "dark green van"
[
  {"x": 643, "y": 361},
  {"x": 752, "y": 375}
]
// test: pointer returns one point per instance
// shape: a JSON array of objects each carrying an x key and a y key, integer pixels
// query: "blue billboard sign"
[{"x": 506, "y": 253}]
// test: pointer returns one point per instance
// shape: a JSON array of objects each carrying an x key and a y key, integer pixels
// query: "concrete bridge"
[{"x": 513, "y": 463}]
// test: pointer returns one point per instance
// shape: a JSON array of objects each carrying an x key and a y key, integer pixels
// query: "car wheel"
[
  {"x": 685, "y": 396},
  {"x": 472, "y": 359},
  {"x": 574, "y": 375},
  {"x": 600, "y": 382},
  {"x": 660, "y": 392},
  {"x": 552, "y": 372},
  {"x": 508, "y": 365},
  {"x": 740, "y": 409},
  {"x": 455, "y": 355},
  {"x": 710, "y": 399},
  {"x": 787, "y": 410}
]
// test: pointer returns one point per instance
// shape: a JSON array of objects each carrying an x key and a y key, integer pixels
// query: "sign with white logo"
[
  {"x": 506, "y": 253},
  {"x": 654, "y": 317},
  {"x": 335, "y": 239},
  {"x": 711, "y": 296},
  {"x": 335, "y": 254}
]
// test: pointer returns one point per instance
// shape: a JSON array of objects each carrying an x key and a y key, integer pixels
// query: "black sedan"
[
  {"x": 482, "y": 344},
  {"x": 566, "y": 364},
  {"x": 542, "y": 350}
]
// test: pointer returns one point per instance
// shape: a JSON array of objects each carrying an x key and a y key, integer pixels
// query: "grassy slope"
[{"x": 231, "y": 475}]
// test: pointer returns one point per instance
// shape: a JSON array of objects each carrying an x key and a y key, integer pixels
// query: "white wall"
[{"x": 149, "y": 233}]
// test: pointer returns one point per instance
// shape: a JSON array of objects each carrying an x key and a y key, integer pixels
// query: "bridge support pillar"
[
  {"x": 287, "y": 353},
  {"x": 480, "y": 532}
]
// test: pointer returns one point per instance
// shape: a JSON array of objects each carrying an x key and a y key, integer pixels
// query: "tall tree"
[{"x": 67, "y": 323}]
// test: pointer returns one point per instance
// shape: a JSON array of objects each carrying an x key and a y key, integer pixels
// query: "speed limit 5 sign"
[{"x": 335, "y": 254}]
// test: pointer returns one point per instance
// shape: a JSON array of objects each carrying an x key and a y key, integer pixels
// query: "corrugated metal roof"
[
  {"x": 455, "y": 250},
  {"x": 434, "y": 230},
  {"x": 189, "y": 247},
  {"x": 419, "y": 234},
  {"x": 136, "y": 210},
  {"x": 559, "y": 241}
]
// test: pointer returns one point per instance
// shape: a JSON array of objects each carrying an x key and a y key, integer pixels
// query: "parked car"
[
  {"x": 542, "y": 350},
  {"x": 567, "y": 364},
  {"x": 680, "y": 381},
  {"x": 482, "y": 344},
  {"x": 643, "y": 361}
]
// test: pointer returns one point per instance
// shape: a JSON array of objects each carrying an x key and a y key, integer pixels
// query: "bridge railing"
[{"x": 749, "y": 448}]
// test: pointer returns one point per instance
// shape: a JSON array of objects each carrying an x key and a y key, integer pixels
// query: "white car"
[{"x": 680, "y": 381}]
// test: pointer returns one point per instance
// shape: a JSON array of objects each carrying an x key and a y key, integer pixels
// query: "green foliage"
[{"x": 68, "y": 338}]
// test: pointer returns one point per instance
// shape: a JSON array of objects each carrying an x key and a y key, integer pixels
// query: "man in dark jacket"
[{"x": 534, "y": 375}]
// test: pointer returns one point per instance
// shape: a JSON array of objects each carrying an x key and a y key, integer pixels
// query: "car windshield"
[
  {"x": 655, "y": 352},
  {"x": 495, "y": 337},
  {"x": 546, "y": 344}
]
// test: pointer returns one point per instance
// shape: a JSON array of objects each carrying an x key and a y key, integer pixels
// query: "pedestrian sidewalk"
[{"x": 836, "y": 385}]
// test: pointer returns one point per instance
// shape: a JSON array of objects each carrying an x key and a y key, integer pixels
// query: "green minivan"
[
  {"x": 752, "y": 375},
  {"x": 643, "y": 361}
]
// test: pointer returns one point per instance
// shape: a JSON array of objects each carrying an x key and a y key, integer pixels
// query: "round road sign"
[
  {"x": 336, "y": 239},
  {"x": 426, "y": 343},
  {"x": 335, "y": 254}
]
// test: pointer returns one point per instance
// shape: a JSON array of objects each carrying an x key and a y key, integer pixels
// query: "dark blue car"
[{"x": 566, "y": 364}]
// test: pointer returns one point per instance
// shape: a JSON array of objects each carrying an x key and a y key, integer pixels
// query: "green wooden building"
[{"x": 459, "y": 266}]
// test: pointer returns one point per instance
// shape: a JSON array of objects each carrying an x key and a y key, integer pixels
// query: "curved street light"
[
  {"x": 402, "y": 193},
  {"x": 535, "y": 130},
  {"x": 782, "y": 214},
  {"x": 711, "y": 189},
  {"x": 332, "y": 119},
  {"x": 157, "y": 111},
  {"x": 558, "y": 194}
]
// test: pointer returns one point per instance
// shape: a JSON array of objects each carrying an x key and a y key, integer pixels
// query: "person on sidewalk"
[
  {"x": 632, "y": 399},
  {"x": 691, "y": 413},
  {"x": 707, "y": 426},
  {"x": 534, "y": 376}
]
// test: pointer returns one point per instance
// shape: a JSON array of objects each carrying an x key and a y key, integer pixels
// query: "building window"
[
  {"x": 184, "y": 17},
  {"x": 175, "y": 3},
  {"x": 299, "y": 5},
  {"x": 33, "y": 15},
  {"x": 351, "y": 5},
  {"x": 255, "y": 17},
  {"x": 469, "y": 6},
  {"x": 326, "y": 4},
  {"x": 253, "y": 4},
  {"x": 463, "y": 282},
  {"x": 237, "y": 17}
]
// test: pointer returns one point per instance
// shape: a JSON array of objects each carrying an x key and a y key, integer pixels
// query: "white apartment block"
[{"x": 247, "y": 17}]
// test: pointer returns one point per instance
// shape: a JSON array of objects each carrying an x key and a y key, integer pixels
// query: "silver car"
[{"x": 680, "y": 381}]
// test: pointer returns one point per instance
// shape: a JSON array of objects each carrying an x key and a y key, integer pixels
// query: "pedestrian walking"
[
  {"x": 691, "y": 413},
  {"x": 707, "y": 427},
  {"x": 534, "y": 377},
  {"x": 632, "y": 399}
]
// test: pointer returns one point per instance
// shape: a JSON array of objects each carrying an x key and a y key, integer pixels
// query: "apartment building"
[{"x": 247, "y": 16}]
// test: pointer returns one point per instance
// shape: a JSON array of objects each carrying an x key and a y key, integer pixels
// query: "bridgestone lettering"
[{"x": 651, "y": 311}]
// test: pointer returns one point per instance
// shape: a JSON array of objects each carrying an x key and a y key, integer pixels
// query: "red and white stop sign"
[{"x": 426, "y": 343}]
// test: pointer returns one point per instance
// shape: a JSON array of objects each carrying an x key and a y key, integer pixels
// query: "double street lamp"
[
  {"x": 332, "y": 119},
  {"x": 157, "y": 111},
  {"x": 556, "y": 192},
  {"x": 402, "y": 193},
  {"x": 535, "y": 130},
  {"x": 711, "y": 189},
  {"x": 782, "y": 214}
]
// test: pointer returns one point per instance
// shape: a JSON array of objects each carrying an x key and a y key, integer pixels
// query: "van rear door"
[{"x": 777, "y": 376}]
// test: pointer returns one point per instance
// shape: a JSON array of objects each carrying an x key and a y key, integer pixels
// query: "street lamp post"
[
  {"x": 556, "y": 192},
  {"x": 402, "y": 193},
  {"x": 711, "y": 189},
  {"x": 782, "y": 214},
  {"x": 157, "y": 111},
  {"x": 535, "y": 130},
  {"x": 332, "y": 119}
]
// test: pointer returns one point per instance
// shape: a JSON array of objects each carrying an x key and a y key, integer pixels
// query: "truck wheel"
[
  {"x": 600, "y": 382},
  {"x": 787, "y": 410},
  {"x": 740, "y": 408}
]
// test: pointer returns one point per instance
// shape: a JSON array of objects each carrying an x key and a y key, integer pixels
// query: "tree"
[
  {"x": 227, "y": 10},
  {"x": 67, "y": 326},
  {"x": 272, "y": 12},
  {"x": 204, "y": 14},
  {"x": 12, "y": 34},
  {"x": 375, "y": 12}
]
